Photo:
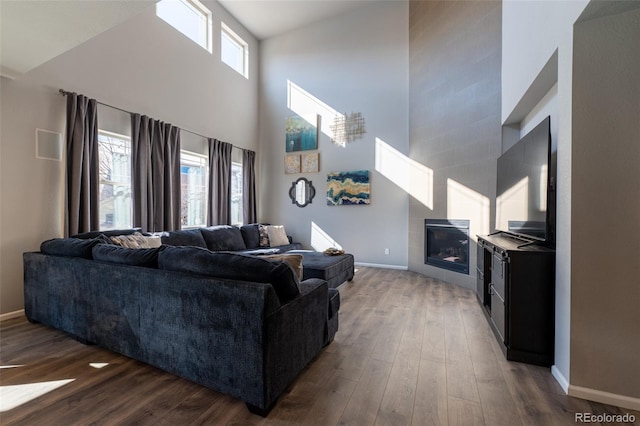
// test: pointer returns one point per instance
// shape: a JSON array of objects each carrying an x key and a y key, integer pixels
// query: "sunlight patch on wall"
[
  {"x": 465, "y": 203},
  {"x": 414, "y": 178},
  {"x": 320, "y": 240},
  {"x": 15, "y": 395},
  {"x": 309, "y": 107},
  {"x": 513, "y": 204}
]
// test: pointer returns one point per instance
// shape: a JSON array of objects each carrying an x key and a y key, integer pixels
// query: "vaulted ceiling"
[{"x": 33, "y": 32}]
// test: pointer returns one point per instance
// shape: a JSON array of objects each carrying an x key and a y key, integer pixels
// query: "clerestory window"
[
  {"x": 190, "y": 17},
  {"x": 234, "y": 51}
]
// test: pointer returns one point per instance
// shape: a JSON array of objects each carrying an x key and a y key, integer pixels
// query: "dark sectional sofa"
[{"x": 236, "y": 323}]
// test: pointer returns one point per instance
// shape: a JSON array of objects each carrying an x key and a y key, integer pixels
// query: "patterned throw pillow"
[
  {"x": 264, "y": 236},
  {"x": 294, "y": 260},
  {"x": 136, "y": 241}
]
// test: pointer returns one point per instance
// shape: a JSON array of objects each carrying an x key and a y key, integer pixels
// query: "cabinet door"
[
  {"x": 497, "y": 313},
  {"x": 498, "y": 266}
]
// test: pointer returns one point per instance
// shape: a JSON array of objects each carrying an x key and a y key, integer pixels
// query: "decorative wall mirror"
[{"x": 302, "y": 192}]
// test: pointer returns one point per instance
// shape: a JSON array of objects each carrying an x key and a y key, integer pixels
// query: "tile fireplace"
[{"x": 446, "y": 244}]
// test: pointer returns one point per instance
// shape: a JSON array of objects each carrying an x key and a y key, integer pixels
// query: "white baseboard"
[
  {"x": 562, "y": 381},
  {"x": 11, "y": 315},
  {"x": 381, "y": 265},
  {"x": 605, "y": 397}
]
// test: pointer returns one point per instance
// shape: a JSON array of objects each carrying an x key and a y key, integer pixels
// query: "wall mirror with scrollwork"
[{"x": 302, "y": 192}]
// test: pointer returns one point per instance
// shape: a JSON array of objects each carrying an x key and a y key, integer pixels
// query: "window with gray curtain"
[
  {"x": 82, "y": 206},
  {"x": 155, "y": 157},
  {"x": 249, "y": 186},
  {"x": 219, "y": 183}
]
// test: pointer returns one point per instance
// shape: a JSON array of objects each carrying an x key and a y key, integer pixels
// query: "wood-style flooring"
[{"x": 410, "y": 350}]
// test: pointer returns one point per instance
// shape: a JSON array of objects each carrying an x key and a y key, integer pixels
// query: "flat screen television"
[{"x": 524, "y": 191}]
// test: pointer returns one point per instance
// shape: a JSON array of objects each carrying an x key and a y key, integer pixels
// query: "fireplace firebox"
[{"x": 446, "y": 244}]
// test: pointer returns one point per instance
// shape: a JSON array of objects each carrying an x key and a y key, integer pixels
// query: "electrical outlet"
[{"x": 386, "y": 251}]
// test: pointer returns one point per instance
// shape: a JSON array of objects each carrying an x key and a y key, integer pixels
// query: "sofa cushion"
[
  {"x": 111, "y": 253},
  {"x": 109, "y": 233},
  {"x": 232, "y": 266},
  {"x": 71, "y": 247},
  {"x": 251, "y": 235},
  {"x": 223, "y": 238},
  {"x": 277, "y": 236},
  {"x": 184, "y": 237}
]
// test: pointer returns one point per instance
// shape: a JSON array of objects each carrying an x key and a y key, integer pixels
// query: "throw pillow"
[
  {"x": 184, "y": 237},
  {"x": 264, "y": 236},
  {"x": 277, "y": 236},
  {"x": 223, "y": 238},
  {"x": 233, "y": 266},
  {"x": 293, "y": 260},
  {"x": 136, "y": 241},
  {"x": 111, "y": 253},
  {"x": 71, "y": 247},
  {"x": 251, "y": 235}
]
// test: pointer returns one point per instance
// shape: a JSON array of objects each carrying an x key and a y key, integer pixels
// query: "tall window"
[
  {"x": 236, "y": 194},
  {"x": 235, "y": 51},
  {"x": 190, "y": 17},
  {"x": 114, "y": 152},
  {"x": 193, "y": 186}
]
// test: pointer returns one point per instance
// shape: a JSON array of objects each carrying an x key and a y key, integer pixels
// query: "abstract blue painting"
[
  {"x": 348, "y": 188},
  {"x": 300, "y": 134}
]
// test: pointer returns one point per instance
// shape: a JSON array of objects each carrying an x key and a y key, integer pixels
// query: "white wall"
[
  {"x": 143, "y": 65},
  {"x": 357, "y": 62},
  {"x": 531, "y": 33},
  {"x": 605, "y": 312}
]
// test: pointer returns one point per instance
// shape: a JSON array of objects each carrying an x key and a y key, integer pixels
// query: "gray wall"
[
  {"x": 143, "y": 65},
  {"x": 356, "y": 62},
  {"x": 455, "y": 131},
  {"x": 605, "y": 220}
]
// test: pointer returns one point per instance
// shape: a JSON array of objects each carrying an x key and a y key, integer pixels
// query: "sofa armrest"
[{"x": 294, "y": 336}]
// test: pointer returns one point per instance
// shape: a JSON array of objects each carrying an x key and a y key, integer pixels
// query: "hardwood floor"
[{"x": 410, "y": 350}]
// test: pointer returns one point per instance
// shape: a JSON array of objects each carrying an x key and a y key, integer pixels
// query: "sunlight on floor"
[
  {"x": 15, "y": 395},
  {"x": 98, "y": 364}
]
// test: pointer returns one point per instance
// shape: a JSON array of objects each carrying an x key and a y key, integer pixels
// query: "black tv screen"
[{"x": 523, "y": 191}]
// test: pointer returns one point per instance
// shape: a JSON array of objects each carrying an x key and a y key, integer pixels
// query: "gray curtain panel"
[
  {"x": 249, "y": 186},
  {"x": 219, "y": 183},
  {"x": 155, "y": 149},
  {"x": 83, "y": 198}
]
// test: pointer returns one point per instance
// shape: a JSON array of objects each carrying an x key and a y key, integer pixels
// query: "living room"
[{"x": 441, "y": 88}]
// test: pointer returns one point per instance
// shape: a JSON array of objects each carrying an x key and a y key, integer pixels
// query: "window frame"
[
  {"x": 206, "y": 16},
  {"x": 227, "y": 33},
  {"x": 195, "y": 159},
  {"x": 238, "y": 165},
  {"x": 101, "y": 181}
]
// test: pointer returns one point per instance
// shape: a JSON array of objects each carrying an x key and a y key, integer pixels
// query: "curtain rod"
[{"x": 65, "y": 93}]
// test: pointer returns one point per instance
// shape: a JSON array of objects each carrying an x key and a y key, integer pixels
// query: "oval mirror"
[{"x": 302, "y": 192}]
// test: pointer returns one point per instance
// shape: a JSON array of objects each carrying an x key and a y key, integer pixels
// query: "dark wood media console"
[{"x": 516, "y": 288}]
